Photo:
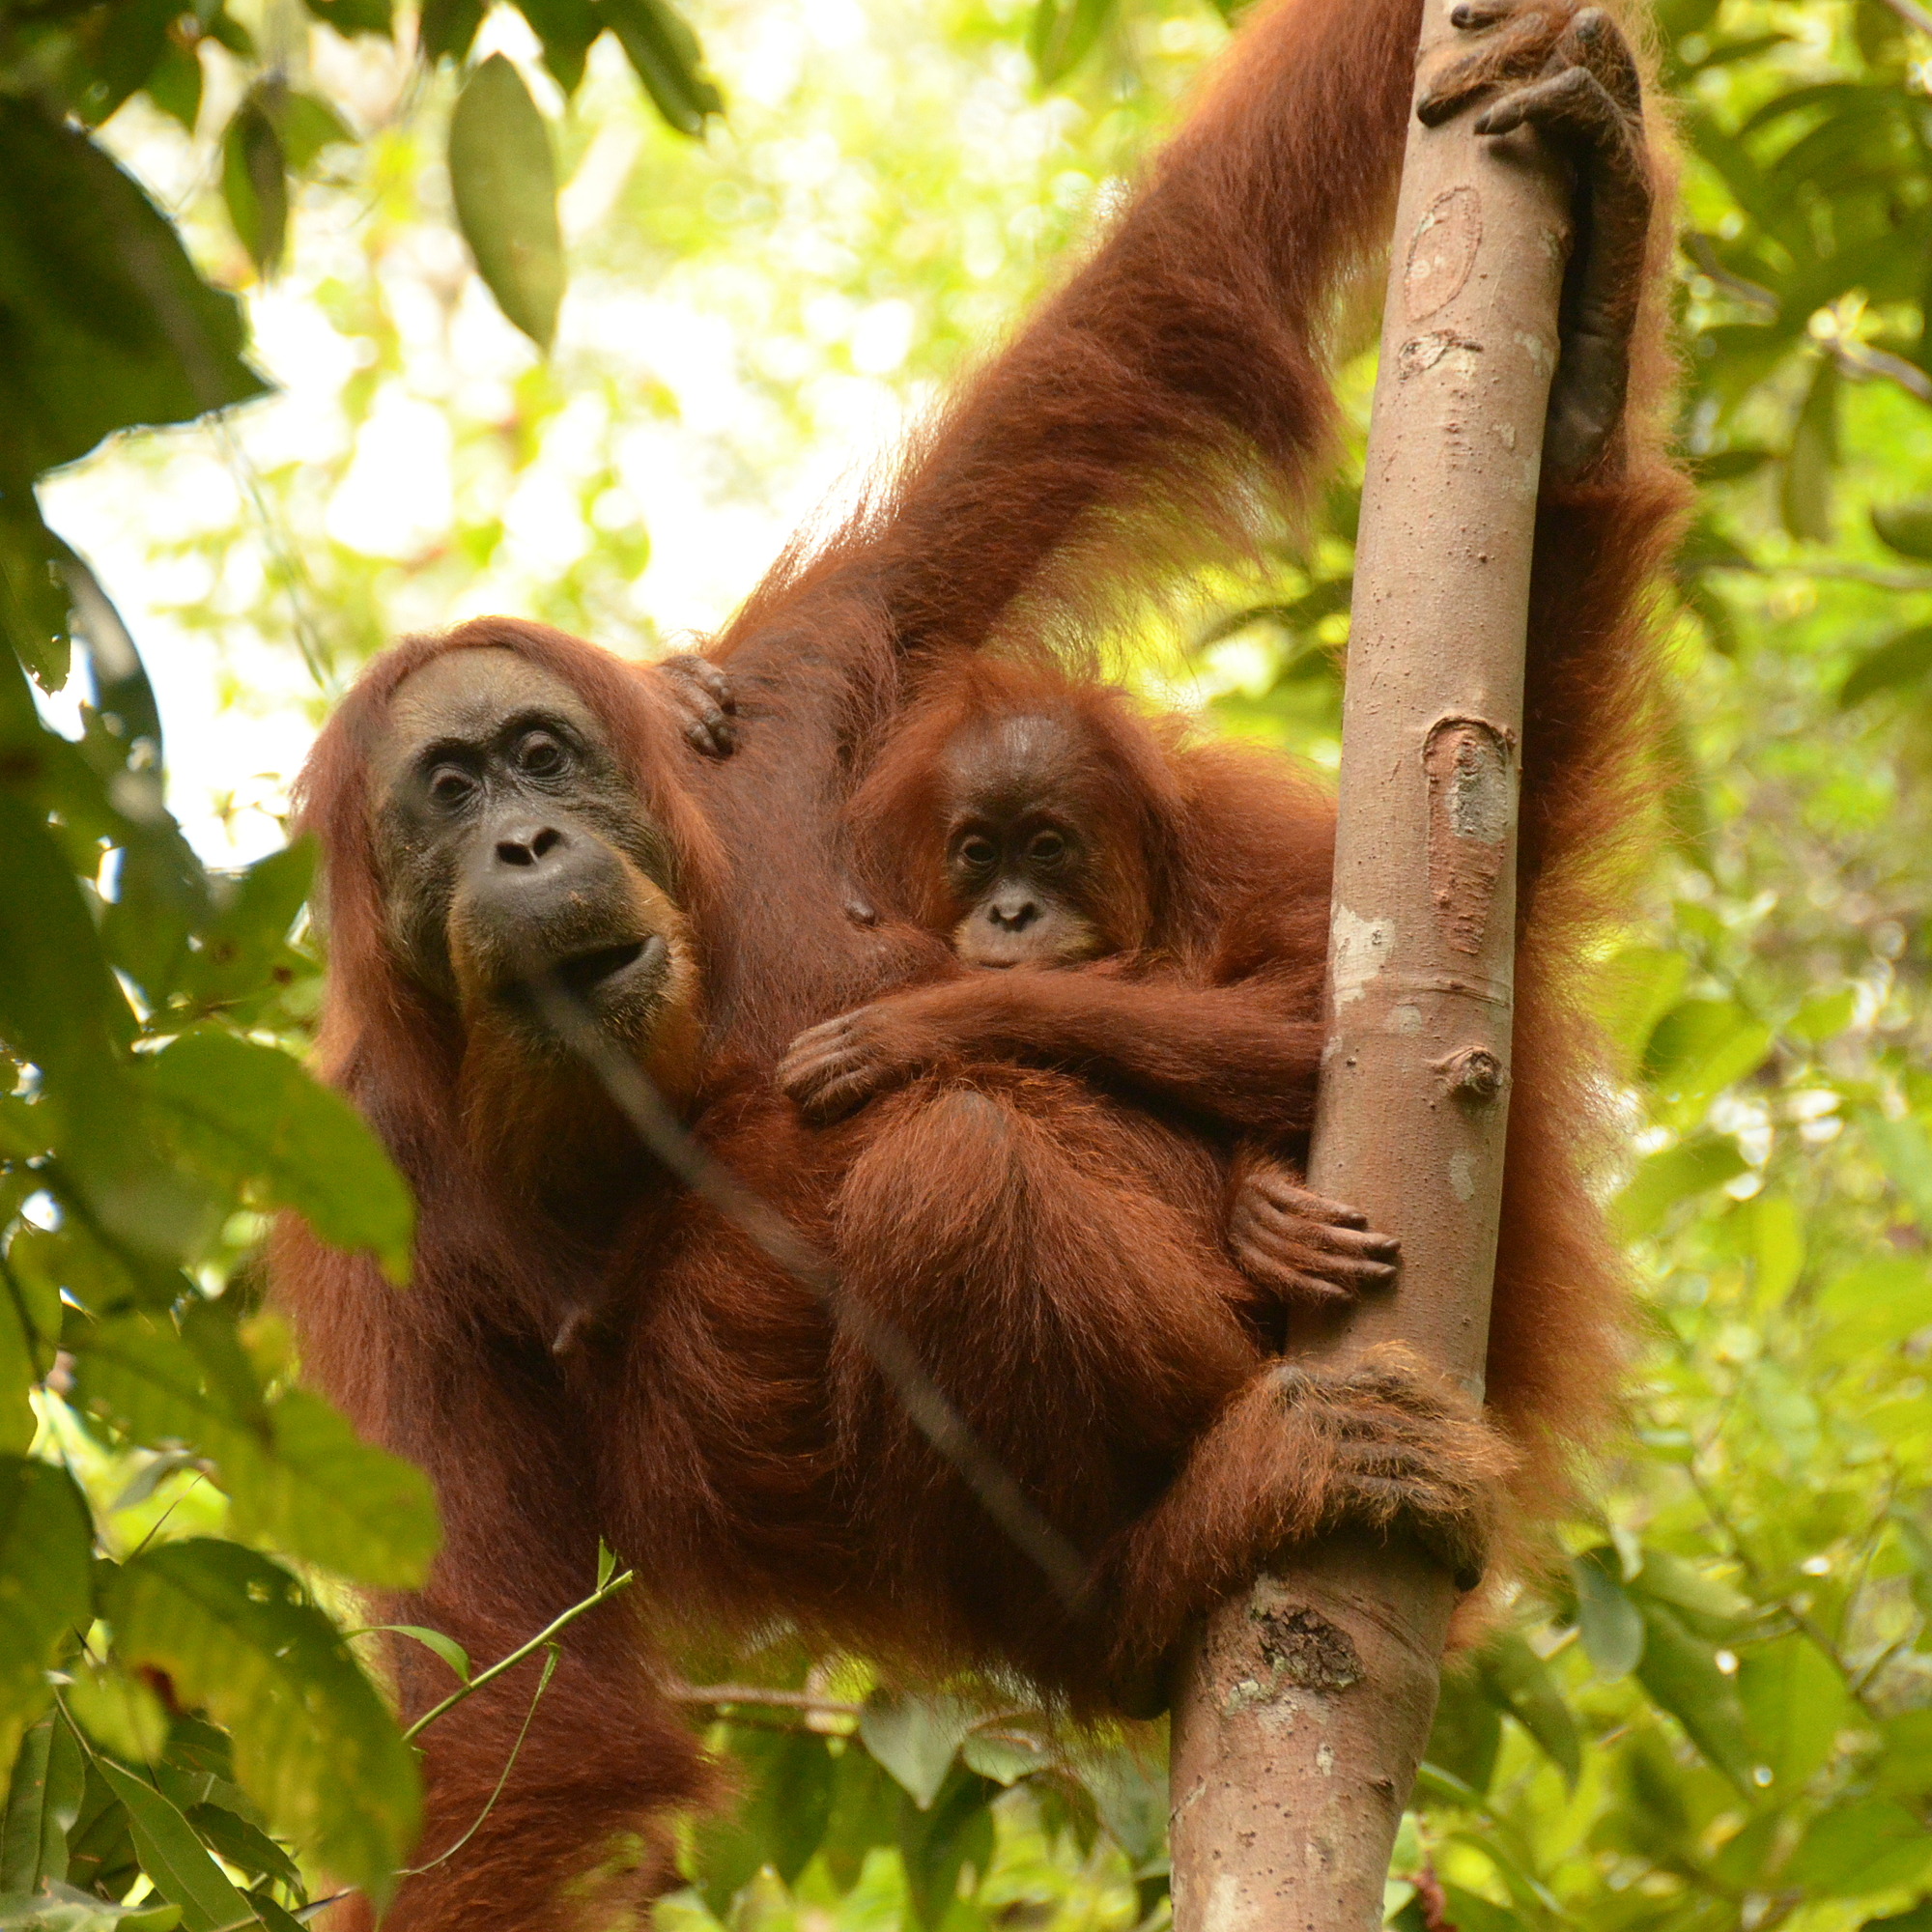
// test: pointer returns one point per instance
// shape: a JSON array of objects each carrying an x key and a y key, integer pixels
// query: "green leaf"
[
  {"x": 1903, "y": 659},
  {"x": 1130, "y": 1795},
  {"x": 1915, "y": 1918},
  {"x": 1906, "y": 527},
  {"x": 915, "y": 1737},
  {"x": 30, "y": 1326},
  {"x": 117, "y": 1712},
  {"x": 46, "y": 1587},
  {"x": 864, "y": 1814},
  {"x": 1795, "y": 1704},
  {"x": 1702, "y": 1602},
  {"x": 173, "y": 1858},
  {"x": 315, "y": 1748},
  {"x": 43, "y": 1802},
  {"x": 1905, "y": 1152},
  {"x": 664, "y": 55},
  {"x": 243, "y": 1845},
  {"x": 306, "y": 126},
  {"x": 300, "y": 1476},
  {"x": 503, "y": 177},
  {"x": 1824, "y": 1016},
  {"x": 1875, "y": 1305},
  {"x": 356, "y": 16},
  {"x": 1806, "y": 496},
  {"x": 56, "y": 998},
  {"x": 447, "y": 1648},
  {"x": 1675, "y": 1174},
  {"x": 1680, "y": 1671},
  {"x": 566, "y": 28},
  {"x": 251, "y": 1114},
  {"x": 1006, "y": 1755},
  {"x": 1467, "y": 1733},
  {"x": 1518, "y": 1681},
  {"x": 1702, "y": 1045},
  {"x": 106, "y": 322},
  {"x": 1610, "y": 1625},
  {"x": 243, "y": 944},
  {"x": 1641, "y": 984},
  {"x": 448, "y": 26},
  {"x": 254, "y": 184},
  {"x": 935, "y": 1843},
  {"x": 1869, "y": 1845},
  {"x": 62, "y": 1909},
  {"x": 337, "y": 1501},
  {"x": 1062, "y": 33},
  {"x": 782, "y": 1820}
]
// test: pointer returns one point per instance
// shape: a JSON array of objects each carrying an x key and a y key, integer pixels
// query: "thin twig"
[
  {"x": 509, "y": 1765},
  {"x": 638, "y": 1098},
  {"x": 1912, "y": 14},
  {"x": 752, "y": 1694},
  {"x": 543, "y": 1636}
]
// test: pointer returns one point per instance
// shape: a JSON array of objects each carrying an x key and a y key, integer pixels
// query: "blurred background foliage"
[{"x": 331, "y": 245}]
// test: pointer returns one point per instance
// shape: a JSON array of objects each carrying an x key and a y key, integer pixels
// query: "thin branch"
[
  {"x": 603, "y": 1590},
  {"x": 942, "y": 1424},
  {"x": 509, "y": 1765},
  {"x": 1912, "y": 14},
  {"x": 752, "y": 1694}
]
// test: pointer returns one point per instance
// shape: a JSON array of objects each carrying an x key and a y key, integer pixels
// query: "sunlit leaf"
[
  {"x": 1906, "y": 527},
  {"x": 62, "y": 1909},
  {"x": 1806, "y": 497},
  {"x": 173, "y": 1858},
  {"x": 915, "y": 1737},
  {"x": 46, "y": 1588},
  {"x": 1900, "y": 661},
  {"x": 664, "y": 54},
  {"x": 1867, "y": 1846},
  {"x": 1518, "y": 1681},
  {"x": 935, "y": 1842},
  {"x": 1905, "y": 1149},
  {"x": 106, "y": 322},
  {"x": 254, "y": 1115},
  {"x": 315, "y": 1748},
  {"x": 1794, "y": 1706},
  {"x": 1680, "y": 1671},
  {"x": 42, "y": 1803},
  {"x": 503, "y": 177},
  {"x": 1676, "y": 1173},
  {"x": 254, "y": 184}
]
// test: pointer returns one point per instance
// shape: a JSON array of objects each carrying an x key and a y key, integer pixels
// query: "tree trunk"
[{"x": 1302, "y": 1713}]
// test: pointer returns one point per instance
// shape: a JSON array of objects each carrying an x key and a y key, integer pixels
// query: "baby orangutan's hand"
[
  {"x": 1307, "y": 1249},
  {"x": 834, "y": 1068}
]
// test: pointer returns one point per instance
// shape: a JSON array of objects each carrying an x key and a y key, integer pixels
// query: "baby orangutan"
[{"x": 1139, "y": 914}]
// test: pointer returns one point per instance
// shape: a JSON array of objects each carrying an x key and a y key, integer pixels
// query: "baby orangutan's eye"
[
  {"x": 449, "y": 786},
  {"x": 979, "y": 853},
  {"x": 1047, "y": 847},
  {"x": 540, "y": 754}
]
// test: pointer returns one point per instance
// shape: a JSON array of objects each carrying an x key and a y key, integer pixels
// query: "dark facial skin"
[
  {"x": 516, "y": 856},
  {"x": 1018, "y": 865}
]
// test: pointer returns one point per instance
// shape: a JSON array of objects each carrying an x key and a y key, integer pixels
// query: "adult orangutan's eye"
[
  {"x": 449, "y": 786},
  {"x": 540, "y": 754}
]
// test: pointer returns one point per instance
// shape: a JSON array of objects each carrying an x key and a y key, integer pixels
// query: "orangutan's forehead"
[
  {"x": 464, "y": 696},
  {"x": 1027, "y": 749}
]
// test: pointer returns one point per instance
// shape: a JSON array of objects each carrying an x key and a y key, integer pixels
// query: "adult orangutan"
[{"x": 502, "y": 809}]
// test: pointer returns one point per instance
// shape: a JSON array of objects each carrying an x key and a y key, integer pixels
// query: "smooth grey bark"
[{"x": 1302, "y": 1713}]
